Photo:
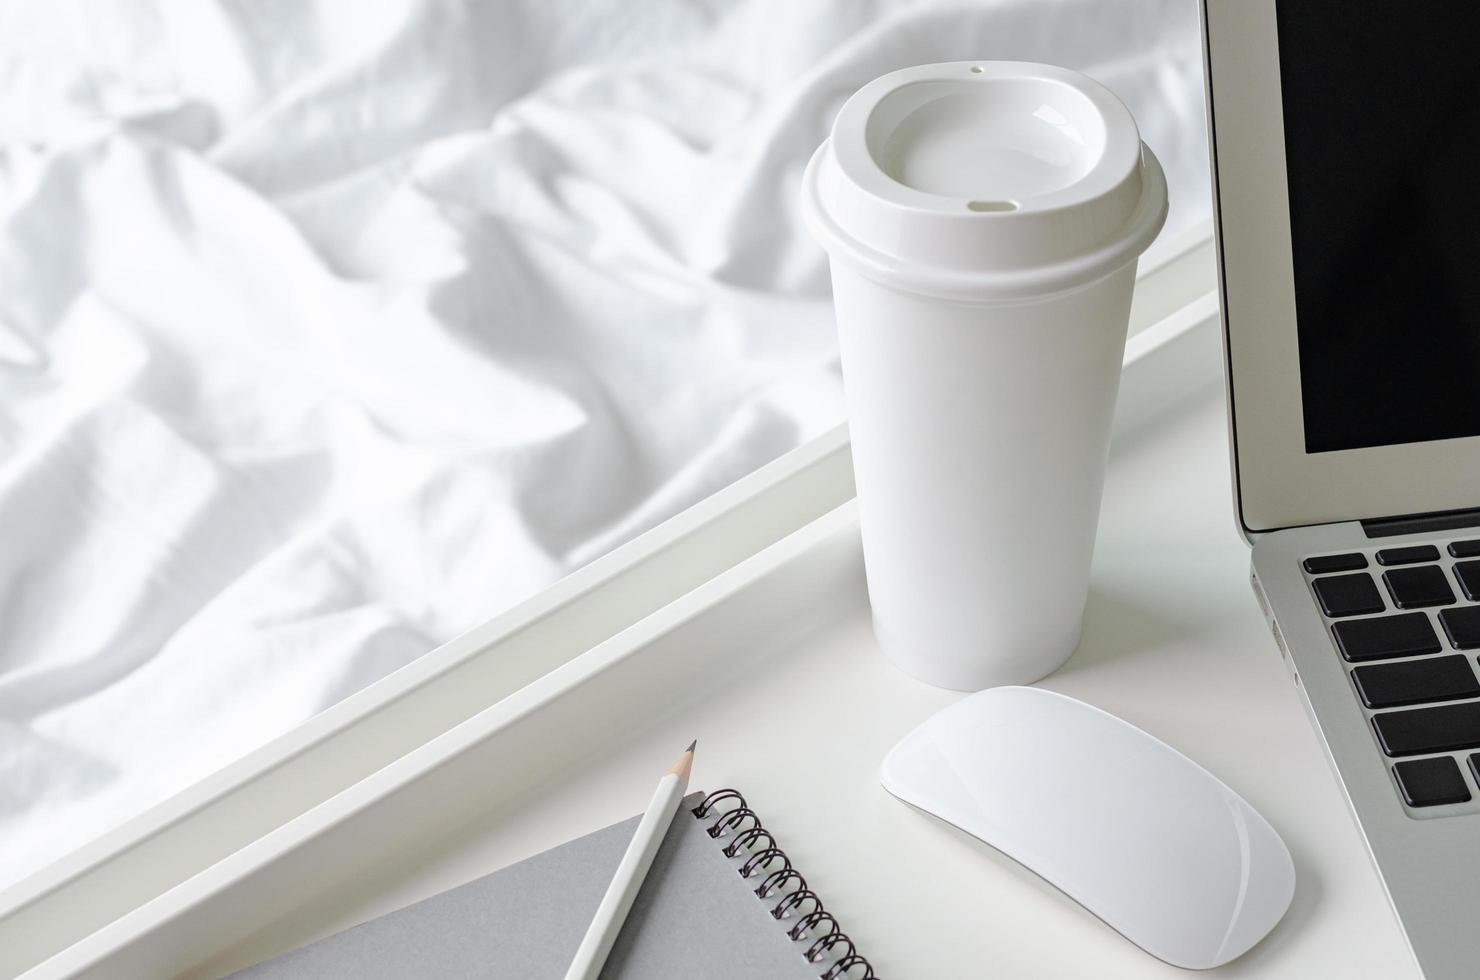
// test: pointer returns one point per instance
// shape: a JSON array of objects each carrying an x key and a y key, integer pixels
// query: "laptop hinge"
[{"x": 1446, "y": 520}]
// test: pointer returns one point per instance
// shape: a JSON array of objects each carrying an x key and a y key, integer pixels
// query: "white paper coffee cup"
[{"x": 983, "y": 221}]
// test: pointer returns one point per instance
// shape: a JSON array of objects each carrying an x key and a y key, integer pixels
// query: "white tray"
[{"x": 743, "y": 622}]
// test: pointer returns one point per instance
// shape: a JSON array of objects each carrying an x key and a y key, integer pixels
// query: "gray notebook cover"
[{"x": 694, "y": 917}]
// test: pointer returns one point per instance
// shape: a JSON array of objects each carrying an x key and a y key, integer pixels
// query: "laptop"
[{"x": 1346, "y": 168}]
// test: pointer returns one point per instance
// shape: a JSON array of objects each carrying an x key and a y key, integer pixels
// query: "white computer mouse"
[{"x": 1124, "y": 824}]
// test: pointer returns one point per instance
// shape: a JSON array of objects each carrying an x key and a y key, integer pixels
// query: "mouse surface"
[{"x": 1128, "y": 827}]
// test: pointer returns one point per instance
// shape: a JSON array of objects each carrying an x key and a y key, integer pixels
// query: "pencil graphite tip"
[{"x": 691, "y": 745}]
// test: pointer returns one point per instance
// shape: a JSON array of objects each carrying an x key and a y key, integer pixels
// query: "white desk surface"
[{"x": 1173, "y": 642}]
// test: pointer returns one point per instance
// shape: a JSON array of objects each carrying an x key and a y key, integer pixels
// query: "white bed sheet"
[{"x": 328, "y": 330}]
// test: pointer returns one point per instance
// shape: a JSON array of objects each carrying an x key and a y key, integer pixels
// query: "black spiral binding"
[{"x": 765, "y": 861}]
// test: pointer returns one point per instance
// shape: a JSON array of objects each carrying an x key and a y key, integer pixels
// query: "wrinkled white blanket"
[{"x": 329, "y": 329}]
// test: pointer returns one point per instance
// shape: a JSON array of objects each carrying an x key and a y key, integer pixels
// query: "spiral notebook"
[{"x": 721, "y": 901}]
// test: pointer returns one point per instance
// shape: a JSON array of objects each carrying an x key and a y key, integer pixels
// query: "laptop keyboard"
[{"x": 1402, "y": 626}]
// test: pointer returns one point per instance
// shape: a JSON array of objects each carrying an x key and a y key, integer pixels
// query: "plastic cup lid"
[{"x": 984, "y": 180}]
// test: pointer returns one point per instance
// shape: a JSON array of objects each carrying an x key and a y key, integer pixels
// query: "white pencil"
[{"x": 610, "y": 914}]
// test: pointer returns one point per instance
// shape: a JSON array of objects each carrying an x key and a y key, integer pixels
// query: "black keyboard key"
[
  {"x": 1325, "y": 564},
  {"x": 1416, "y": 588},
  {"x": 1432, "y": 782},
  {"x": 1416, "y": 681},
  {"x": 1465, "y": 549},
  {"x": 1419, "y": 731},
  {"x": 1463, "y": 626},
  {"x": 1407, "y": 635},
  {"x": 1468, "y": 574},
  {"x": 1408, "y": 556},
  {"x": 1475, "y": 768},
  {"x": 1347, "y": 595}
]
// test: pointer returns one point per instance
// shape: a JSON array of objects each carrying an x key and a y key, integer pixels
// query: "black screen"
[{"x": 1382, "y": 147}]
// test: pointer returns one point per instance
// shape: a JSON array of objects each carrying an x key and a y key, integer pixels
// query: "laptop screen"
[{"x": 1382, "y": 147}]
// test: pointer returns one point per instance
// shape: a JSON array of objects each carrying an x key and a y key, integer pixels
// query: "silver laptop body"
[{"x": 1351, "y": 318}]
